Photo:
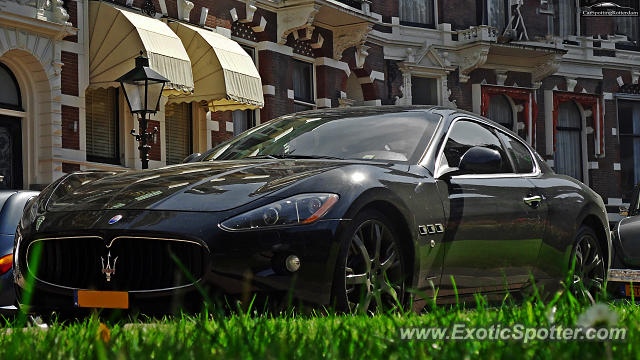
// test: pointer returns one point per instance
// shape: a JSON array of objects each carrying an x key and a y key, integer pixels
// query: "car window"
[
  {"x": 465, "y": 135},
  {"x": 362, "y": 134},
  {"x": 520, "y": 155}
]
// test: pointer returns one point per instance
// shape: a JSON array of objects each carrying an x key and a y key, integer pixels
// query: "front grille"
[{"x": 140, "y": 263}]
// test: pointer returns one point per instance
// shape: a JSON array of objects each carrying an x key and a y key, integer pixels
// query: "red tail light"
[{"x": 5, "y": 263}]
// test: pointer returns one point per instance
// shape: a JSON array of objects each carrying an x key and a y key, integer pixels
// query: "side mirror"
[
  {"x": 480, "y": 160},
  {"x": 623, "y": 211},
  {"x": 192, "y": 158}
]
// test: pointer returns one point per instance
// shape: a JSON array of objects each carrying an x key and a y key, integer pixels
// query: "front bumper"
[{"x": 241, "y": 263}]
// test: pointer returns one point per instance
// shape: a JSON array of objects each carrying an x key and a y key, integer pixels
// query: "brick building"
[{"x": 566, "y": 82}]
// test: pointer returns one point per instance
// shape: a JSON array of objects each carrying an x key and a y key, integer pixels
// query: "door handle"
[{"x": 533, "y": 201}]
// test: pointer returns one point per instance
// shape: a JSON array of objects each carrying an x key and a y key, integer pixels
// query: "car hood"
[{"x": 205, "y": 186}]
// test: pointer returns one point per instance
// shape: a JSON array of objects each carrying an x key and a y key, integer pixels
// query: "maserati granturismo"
[{"x": 358, "y": 208}]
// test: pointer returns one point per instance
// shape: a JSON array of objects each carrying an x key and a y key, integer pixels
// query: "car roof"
[
  {"x": 447, "y": 113},
  {"x": 369, "y": 110}
]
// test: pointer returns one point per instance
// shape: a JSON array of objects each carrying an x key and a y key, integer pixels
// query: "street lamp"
[{"x": 143, "y": 88}]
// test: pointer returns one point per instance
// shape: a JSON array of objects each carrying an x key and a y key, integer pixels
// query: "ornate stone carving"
[
  {"x": 184, "y": 9},
  {"x": 295, "y": 18},
  {"x": 345, "y": 37},
  {"x": 470, "y": 59},
  {"x": 446, "y": 93},
  {"x": 148, "y": 8},
  {"x": 547, "y": 68},
  {"x": 361, "y": 55},
  {"x": 406, "y": 98}
]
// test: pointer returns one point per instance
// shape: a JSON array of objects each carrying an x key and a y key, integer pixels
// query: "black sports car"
[{"x": 349, "y": 207}]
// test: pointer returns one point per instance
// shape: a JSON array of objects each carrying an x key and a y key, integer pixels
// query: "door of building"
[{"x": 10, "y": 153}]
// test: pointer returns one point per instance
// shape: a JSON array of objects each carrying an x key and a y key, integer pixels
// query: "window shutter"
[
  {"x": 178, "y": 129},
  {"x": 102, "y": 125}
]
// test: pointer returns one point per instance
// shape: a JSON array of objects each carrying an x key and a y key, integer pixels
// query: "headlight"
[{"x": 299, "y": 209}]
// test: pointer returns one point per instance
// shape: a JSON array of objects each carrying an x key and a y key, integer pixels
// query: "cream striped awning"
[
  {"x": 118, "y": 35},
  {"x": 225, "y": 76}
]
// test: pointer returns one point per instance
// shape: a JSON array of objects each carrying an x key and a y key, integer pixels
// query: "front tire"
[
  {"x": 588, "y": 264},
  {"x": 370, "y": 271}
]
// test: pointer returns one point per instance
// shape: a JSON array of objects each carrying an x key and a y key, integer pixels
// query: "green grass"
[{"x": 248, "y": 335}]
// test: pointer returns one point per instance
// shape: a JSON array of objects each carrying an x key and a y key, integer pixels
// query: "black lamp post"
[{"x": 143, "y": 88}]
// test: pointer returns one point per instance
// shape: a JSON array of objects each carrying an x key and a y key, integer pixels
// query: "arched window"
[
  {"x": 10, "y": 94},
  {"x": 568, "y": 155},
  {"x": 500, "y": 111}
]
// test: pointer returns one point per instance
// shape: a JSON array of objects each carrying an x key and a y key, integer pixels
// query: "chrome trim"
[
  {"x": 624, "y": 275},
  {"x": 128, "y": 291},
  {"x": 439, "y": 169},
  {"x": 154, "y": 238},
  {"x": 429, "y": 145},
  {"x": 114, "y": 239},
  {"x": 534, "y": 200}
]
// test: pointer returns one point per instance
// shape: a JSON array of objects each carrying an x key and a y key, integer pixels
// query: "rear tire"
[
  {"x": 588, "y": 265},
  {"x": 370, "y": 270}
]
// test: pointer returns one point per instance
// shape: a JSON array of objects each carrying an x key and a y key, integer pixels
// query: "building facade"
[{"x": 566, "y": 82}]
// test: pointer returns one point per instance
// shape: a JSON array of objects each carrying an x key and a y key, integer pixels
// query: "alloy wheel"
[
  {"x": 373, "y": 271},
  {"x": 589, "y": 268}
]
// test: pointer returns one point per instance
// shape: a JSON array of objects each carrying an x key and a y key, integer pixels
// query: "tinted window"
[
  {"x": 358, "y": 135},
  {"x": 519, "y": 154},
  {"x": 467, "y": 134}
]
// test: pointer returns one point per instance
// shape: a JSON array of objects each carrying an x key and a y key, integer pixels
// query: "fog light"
[{"x": 292, "y": 263}]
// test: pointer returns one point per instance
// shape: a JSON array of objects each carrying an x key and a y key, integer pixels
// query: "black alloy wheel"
[
  {"x": 370, "y": 274},
  {"x": 589, "y": 268}
]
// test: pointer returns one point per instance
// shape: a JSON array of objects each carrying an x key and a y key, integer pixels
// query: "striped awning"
[
  {"x": 225, "y": 76},
  {"x": 117, "y": 36}
]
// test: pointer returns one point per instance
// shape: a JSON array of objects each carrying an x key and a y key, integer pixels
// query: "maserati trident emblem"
[
  {"x": 109, "y": 269},
  {"x": 115, "y": 219}
]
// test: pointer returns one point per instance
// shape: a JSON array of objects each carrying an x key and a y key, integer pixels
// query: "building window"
[
  {"x": 565, "y": 18},
  {"x": 568, "y": 155},
  {"x": 102, "y": 126},
  {"x": 178, "y": 127},
  {"x": 424, "y": 91},
  {"x": 627, "y": 25},
  {"x": 302, "y": 86},
  {"x": 500, "y": 111},
  {"x": 417, "y": 13},
  {"x": 629, "y": 123},
  {"x": 10, "y": 94},
  {"x": 495, "y": 14},
  {"x": 243, "y": 120}
]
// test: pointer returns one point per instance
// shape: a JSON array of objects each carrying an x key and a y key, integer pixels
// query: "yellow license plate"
[
  {"x": 102, "y": 299},
  {"x": 632, "y": 289}
]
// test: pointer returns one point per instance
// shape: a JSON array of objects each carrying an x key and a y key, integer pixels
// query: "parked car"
[
  {"x": 12, "y": 203},
  {"x": 349, "y": 207},
  {"x": 625, "y": 265}
]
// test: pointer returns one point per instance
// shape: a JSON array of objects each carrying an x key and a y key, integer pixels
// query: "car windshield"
[{"x": 394, "y": 137}]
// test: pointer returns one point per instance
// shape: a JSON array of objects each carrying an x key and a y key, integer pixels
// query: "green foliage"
[{"x": 249, "y": 334}]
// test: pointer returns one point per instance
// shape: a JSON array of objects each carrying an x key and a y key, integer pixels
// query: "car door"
[{"x": 495, "y": 222}]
